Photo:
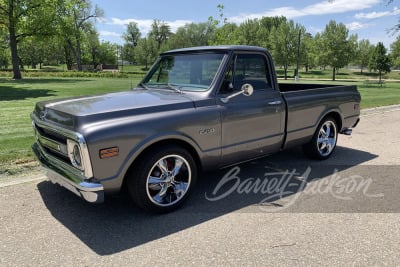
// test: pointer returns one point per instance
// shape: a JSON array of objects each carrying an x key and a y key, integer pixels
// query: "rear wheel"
[
  {"x": 162, "y": 179},
  {"x": 324, "y": 140}
]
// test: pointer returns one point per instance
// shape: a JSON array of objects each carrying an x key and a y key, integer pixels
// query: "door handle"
[{"x": 275, "y": 102}]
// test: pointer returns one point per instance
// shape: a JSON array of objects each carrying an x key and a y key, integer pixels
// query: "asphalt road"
[{"x": 280, "y": 210}]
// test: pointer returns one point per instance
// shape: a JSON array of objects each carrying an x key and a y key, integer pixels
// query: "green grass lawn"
[{"x": 17, "y": 100}]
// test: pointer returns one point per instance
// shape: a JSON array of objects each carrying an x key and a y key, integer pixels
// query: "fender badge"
[{"x": 207, "y": 131}]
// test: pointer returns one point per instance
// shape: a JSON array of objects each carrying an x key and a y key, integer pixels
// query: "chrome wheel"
[
  {"x": 168, "y": 180},
  {"x": 326, "y": 140},
  {"x": 323, "y": 143}
]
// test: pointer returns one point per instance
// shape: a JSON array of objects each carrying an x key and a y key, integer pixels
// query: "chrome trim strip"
[
  {"x": 53, "y": 145},
  {"x": 87, "y": 165},
  {"x": 68, "y": 177}
]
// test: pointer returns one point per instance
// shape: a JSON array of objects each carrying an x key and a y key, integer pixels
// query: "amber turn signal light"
[{"x": 109, "y": 152}]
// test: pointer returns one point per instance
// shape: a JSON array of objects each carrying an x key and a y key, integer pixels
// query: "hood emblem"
[{"x": 43, "y": 114}]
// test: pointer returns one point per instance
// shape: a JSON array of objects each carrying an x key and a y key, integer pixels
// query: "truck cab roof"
[{"x": 218, "y": 48}]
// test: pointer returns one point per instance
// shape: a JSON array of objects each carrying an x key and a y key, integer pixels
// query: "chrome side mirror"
[{"x": 247, "y": 90}]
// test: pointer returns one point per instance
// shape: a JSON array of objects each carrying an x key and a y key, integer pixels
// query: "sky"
[{"x": 369, "y": 19}]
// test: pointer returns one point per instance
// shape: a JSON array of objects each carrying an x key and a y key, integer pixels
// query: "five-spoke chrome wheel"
[
  {"x": 327, "y": 138},
  {"x": 324, "y": 140},
  {"x": 168, "y": 180},
  {"x": 161, "y": 179}
]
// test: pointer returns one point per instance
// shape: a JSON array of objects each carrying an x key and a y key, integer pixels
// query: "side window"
[{"x": 252, "y": 69}]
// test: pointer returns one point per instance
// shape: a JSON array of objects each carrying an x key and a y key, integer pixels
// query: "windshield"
[{"x": 184, "y": 72}]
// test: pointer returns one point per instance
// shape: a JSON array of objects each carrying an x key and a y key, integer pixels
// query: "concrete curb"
[
  {"x": 13, "y": 180},
  {"x": 379, "y": 110}
]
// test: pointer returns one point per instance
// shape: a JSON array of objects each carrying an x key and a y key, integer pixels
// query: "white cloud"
[
  {"x": 375, "y": 15},
  {"x": 108, "y": 33},
  {"x": 145, "y": 25},
  {"x": 354, "y": 26},
  {"x": 321, "y": 8}
]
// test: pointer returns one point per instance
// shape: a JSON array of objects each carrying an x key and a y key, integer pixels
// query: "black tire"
[
  {"x": 161, "y": 180},
  {"x": 324, "y": 140}
]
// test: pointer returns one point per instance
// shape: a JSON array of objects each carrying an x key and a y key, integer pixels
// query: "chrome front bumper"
[{"x": 61, "y": 173}]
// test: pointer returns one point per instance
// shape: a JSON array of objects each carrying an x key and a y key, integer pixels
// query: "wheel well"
[
  {"x": 338, "y": 119},
  {"x": 177, "y": 142}
]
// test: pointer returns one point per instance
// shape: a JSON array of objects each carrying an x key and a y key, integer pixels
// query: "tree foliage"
[
  {"x": 364, "y": 52},
  {"x": 37, "y": 32},
  {"x": 337, "y": 48},
  {"x": 395, "y": 53},
  {"x": 380, "y": 61},
  {"x": 75, "y": 19},
  {"x": 160, "y": 32},
  {"x": 131, "y": 37},
  {"x": 285, "y": 43},
  {"x": 25, "y": 18},
  {"x": 146, "y": 51}
]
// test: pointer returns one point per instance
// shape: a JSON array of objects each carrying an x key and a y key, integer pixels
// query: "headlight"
[{"x": 75, "y": 154}]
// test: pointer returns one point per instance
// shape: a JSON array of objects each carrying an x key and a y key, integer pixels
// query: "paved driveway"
[{"x": 283, "y": 209}]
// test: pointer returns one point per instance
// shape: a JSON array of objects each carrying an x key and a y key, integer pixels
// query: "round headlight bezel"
[{"x": 75, "y": 154}]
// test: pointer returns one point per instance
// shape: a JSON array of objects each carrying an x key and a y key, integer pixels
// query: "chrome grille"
[{"x": 53, "y": 142}]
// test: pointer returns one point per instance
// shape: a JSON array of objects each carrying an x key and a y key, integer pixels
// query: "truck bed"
[
  {"x": 289, "y": 87},
  {"x": 305, "y": 104}
]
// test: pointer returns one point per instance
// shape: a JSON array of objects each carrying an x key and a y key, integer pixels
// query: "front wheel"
[
  {"x": 324, "y": 140},
  {"x": 162, "y": 179}
]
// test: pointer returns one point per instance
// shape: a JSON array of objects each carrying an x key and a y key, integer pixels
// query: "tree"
[
  {"x": 160, "y": 32},
  {"x": 337, "y": 48},
  {"x": 251, "y": 32},
  {"x": 132, "y": 34},
  {"x": 32, "y": 51},
  {"x": 226, "y": 34},
  {"x": 25, "y": 18},
  {"x": 395, "y": 53},
  {"x": 363, "y": 53},
  {"x": 4, "y": 58},
  {"x": 307, "y": 54},
  {"x": 269, "y": 24},
  {"x": 131, "y": 37},
  {"x": 285, "y": 43},
  {"x": 380, "y": 61},
  {"x": 107, "y": 54},
  {"x": 192, "y": 34},
  {"x": 93, "y": 47},
  {"x": 4, "y": 52},
  {"x": 146, "y": 51},
  {"x": 75, "y": 18}
]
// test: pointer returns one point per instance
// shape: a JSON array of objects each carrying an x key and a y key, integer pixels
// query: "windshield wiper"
[
  {"x": 174, "y": 87},
  {"x": 144, "y": 86}
]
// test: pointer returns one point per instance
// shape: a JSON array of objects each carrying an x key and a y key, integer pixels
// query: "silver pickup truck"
[{"x": 197, "y": 109}]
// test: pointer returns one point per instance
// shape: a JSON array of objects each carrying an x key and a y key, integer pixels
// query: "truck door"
[{"x": 252, "y": 126}]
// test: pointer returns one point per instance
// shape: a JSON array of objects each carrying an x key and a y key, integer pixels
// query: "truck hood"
[{"x": 72, "y": 112}]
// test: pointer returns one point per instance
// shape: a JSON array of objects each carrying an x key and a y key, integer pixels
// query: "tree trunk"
[
  {"x": 285, "y": 68},
  {"x": 13, "y": 44},
  {"x": 78, "y": 54},
  {"x": 334, "y": 74},
  {"x": 68, "y": 56},
  {"x": 380, "y": 77}
]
